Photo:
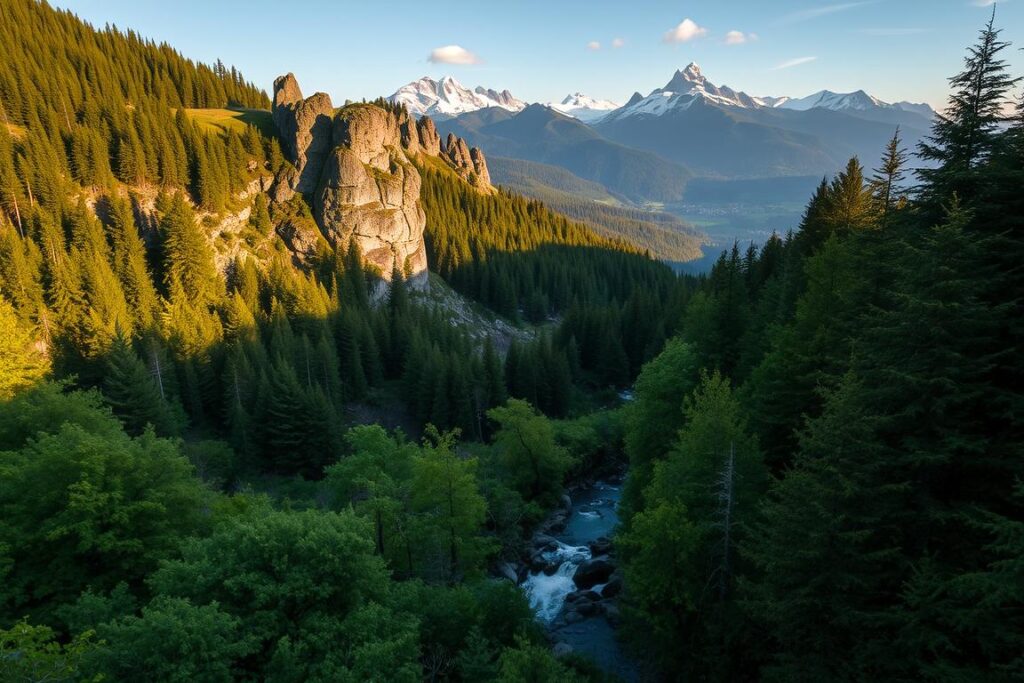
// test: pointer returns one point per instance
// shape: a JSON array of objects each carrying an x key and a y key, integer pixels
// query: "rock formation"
[
  {"x": 355, "y": 165},
  {"x": 468, "y": 163},
  {"x": 305, "y": 127},
  {"x": 370, "y": 191}
]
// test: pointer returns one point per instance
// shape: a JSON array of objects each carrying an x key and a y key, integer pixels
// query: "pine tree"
[
  {"x": 133, "y": 395},
  {"x": 188, "y": 258},
  {"x": 886, "y": 181},
  {"x": 965, "y": 135},
  {"x": 22, "y": 363}
]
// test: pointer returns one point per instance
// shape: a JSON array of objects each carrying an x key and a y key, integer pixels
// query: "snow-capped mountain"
[
  {"x": 690, "y": 85},
  {"x": 826, "y": 99},
  {"x": 447, "y": 97},
  {"x": 686, "y": 87},
  {"x": 857, "y": 101},
  {"x": 584, "y": 107}
]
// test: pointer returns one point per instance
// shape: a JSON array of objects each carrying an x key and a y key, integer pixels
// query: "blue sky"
[{"x": 543, "y": 49}]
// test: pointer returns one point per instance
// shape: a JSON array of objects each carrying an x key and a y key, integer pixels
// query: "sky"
[{"x": 542, "y": 50}]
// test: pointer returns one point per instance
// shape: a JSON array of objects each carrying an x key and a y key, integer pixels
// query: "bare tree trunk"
[{"x": 157, "y": 372}]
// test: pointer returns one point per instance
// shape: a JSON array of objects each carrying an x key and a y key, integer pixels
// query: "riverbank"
[{"x": 572, "y": 578}]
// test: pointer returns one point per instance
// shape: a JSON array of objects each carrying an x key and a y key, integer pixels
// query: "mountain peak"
[
  {"x": 686, "y": 80},
  {"x": 583, "y": 107},
  {"x": 448, "y": 97}
]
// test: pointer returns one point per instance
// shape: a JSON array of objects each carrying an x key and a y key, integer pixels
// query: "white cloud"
[
  {"x": 987, "y": 3},
  {"x": 789, "y": 63},
  {"x": 618, "y": 42},
  {"x": 452, "y": 54},
  {"x": 739, "y": 37},
  {"x": 594, "y": 45},
  {"x": 686, "y": 31}
]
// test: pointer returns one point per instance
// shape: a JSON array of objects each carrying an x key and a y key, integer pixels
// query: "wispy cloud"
[
  {"x": 594, "y": 45},
  {"x": 893, "y": 31},
  {"x": 686, "y": 31},
  {"x": 790, "y": 63},
  {"x": 452, "y": 54},
  {"x": 618, "y": 42},
  {"x": 822, "y": 11},
  {"x": 988, "y": 3},
  {"x": 739, "y": 37}
]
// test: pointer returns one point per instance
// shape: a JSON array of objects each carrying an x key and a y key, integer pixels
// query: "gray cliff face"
[
  {"x": 370, "y": 192},
  {"x": 305, "y": 126},
  {"x": 356, "y": 165},
  {"x": 468, "y": 163},
  {"x": 430, "y": 140}
]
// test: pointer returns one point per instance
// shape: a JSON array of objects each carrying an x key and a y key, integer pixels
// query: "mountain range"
[
  {"x": 448, "y": 98},
  {"x": 648, "y": 149}
]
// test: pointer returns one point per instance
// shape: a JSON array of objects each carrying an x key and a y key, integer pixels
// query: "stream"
[{"x": 582, "y": 621}]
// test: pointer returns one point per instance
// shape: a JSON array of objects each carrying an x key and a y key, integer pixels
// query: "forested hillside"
[
  {"x": 180, "y": 390},
  {"x": 664, "y": 235},
  {"x": 826, "y": 466}
]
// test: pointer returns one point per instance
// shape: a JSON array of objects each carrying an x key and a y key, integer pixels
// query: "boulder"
[
  {"x": 557, "y": 521},
  {"x": 507, "y": 571},
  {"x": 613, "y": 587},
  {"x": 611, "y": 613},
  {"x": 544, "y": 542},
  {"x": 593, "y": 572},
  {"x": 566, "y": 502},
  {"x": 600, "y": 546},
  {"x": 582, "y": 596}
]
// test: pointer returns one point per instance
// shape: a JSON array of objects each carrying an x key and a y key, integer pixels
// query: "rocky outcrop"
[
  {"x": 370, "y": 192},
  {"x": 593, "y": 572},
  {"x": 356, "y": 166},
  {"x": 470, "y": 164},
  {"x": 305, "y": 128},
  {"x": 430, "y": 140},
  {"x": 480, "y": 167}
]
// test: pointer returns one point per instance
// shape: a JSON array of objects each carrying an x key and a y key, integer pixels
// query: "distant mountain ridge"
[
  {"x": 690, "y": 85},
  {"x": 447, "y": 97},
  {"x": 541, "y": 134},
  {"x": 583, "y": 107}
]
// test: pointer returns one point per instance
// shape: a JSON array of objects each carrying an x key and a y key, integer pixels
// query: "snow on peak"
[
  {"x": 837, "y": 101},
  {"x": 584, "y": 107},
  {"x": 687, "y": 86},
  {"x": 447, "y": 97},
  {"x": 692, "y": 72}
]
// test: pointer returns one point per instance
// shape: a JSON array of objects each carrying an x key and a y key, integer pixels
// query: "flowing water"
[{"x": 593, "y": 516}]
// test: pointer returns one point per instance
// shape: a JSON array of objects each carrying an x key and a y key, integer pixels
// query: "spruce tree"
[
  {"x": 965, "y": 135},
  {"x": 133, "y": 395}
]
